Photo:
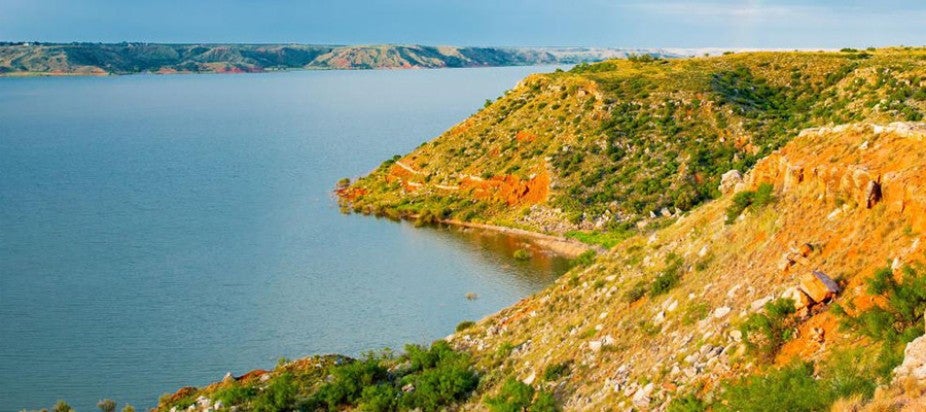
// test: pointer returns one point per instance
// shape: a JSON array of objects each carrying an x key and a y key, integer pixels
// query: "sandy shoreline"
[{"x": 558, "y": 244}]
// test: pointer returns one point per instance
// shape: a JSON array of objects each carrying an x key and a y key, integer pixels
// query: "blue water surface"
[{"x": 160, "y": 231}]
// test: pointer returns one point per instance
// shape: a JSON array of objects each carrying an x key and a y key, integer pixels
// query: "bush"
[
  {"x": 900, "y": 319},
  {"x": 379, "y": 398},
  {"x": 687, "y": 403},
  {"x": 515, "y": 396},
  {"x": 799, "y": 387},
  {"x": 585, "y": 259},
  {"x": 763, "y": 196},
  {"x": 279, "y": 395},
  {"x": 464, "y": 325},
  {"x": 897, "y": 322},
  {"x": 545, "y": 402},
  {"x": 349, "y": 380},
  {"x": 234, "y": 394},
  {"x": 556, "y": 371},
  {"x": 792, "y": 388},
  {"x": 764, "y": 333},
  {"x": 439, "y": 375},
  {"x": 635, "y": 293},
  {"x": 669, "y": 277},
  {"x": 106, "y": 405},
  {"x": 663, "y": 283}
]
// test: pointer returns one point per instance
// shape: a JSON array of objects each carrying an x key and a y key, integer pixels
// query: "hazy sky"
[{"x": 672, "y": 23}]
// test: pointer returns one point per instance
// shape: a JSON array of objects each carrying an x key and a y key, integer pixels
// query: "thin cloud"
[{"x": 739, "y": 10}]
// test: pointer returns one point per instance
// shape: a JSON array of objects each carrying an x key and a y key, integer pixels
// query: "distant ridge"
[{"x": 25, "y": 58}]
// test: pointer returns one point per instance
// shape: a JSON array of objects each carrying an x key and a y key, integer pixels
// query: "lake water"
[{"x": 160, "y": 231}]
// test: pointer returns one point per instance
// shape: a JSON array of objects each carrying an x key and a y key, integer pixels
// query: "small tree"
[
  {"x": 106, "y": 405},
  {"x": 62, "y": 406}
]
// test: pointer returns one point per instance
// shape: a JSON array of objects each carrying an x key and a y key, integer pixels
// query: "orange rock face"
[
  {"x": 816, "y": 289},
  {"x": 510, "y": 189},
  {"x": 525, "y": 136}
]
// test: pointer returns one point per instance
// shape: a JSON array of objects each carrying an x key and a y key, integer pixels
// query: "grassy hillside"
[
  {"x": 606, "y": 146},
  {"x": 124, "y": 58},
  {"x": 708, "y": 313}
]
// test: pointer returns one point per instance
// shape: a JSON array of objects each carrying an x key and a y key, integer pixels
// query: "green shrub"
[
  {"x": 764, "y": 333},
  {"x": 544, "y": 402},
  {"x": 279, "y": 395},
  {"x": 900, "y": 319},
  {"x": 687, "y": 403},
  {"x": 664, "y": 283},
  {"x": 556, "y": 371},
  {"x": 897, "y": 322},
  {"x": 379, "y": 398},
  {"x": 636, "y": 292},
  {"x": 763, "y": 196},
  {"x": 799, "y": 387},
  {"x": 106, "y": 405},
  {"x": 514, "y": 396},
  {"x": 741, "y": 201},
  {"x": 62, "y": 406},
  {"x": 441, "y": 376},
  {"x": 585, "y": 259},
  {"x": 235, "y": 394},
  {"x": 349, "y": 380},
  {"x": 464, "y": 325},
  {"x": 522, "y": 254},
  {"x": 448, "y": 382},
  {"x": 669, "y": 277},
  {"x": 792, "y": 388}
]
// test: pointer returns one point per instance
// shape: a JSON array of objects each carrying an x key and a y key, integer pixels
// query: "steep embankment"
[
  {"x": 610, "y": 146},
  {"x": 667, "y": 315},
  {"x": 736, "y": 305},
  {"x": 123, "y": 58}
]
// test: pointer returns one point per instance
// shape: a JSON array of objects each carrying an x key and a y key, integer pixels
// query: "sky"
[{"x": 593, "y": 23}]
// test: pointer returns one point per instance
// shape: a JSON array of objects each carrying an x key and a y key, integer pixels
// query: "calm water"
[{"x": 160, "y": 231}]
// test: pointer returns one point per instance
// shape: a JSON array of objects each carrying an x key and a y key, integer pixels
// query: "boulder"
[
  {"x": 641, "y": 397},
  {"x": 721, "y": 312},
  {"x": 801, "y": 300},
  {"x": 818, "y": 286},
  {"x": 729, "y": 181},
  {"x": 914, "y": 361}
]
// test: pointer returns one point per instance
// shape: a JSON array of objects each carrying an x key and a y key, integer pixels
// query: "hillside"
[
  {"x": 796, "y": 289},
  {"x": 125, "y": 58},
  {"x": 606, "y": 148}
]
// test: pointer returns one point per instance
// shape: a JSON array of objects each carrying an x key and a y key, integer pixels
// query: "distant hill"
[{"x": 21, "y": 58}]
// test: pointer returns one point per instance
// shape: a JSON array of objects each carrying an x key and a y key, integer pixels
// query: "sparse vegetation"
[
  {"x": 761, "y": 197},
  {"x": 764, "y": 333},
  {"x": 438, "y": 375}
]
